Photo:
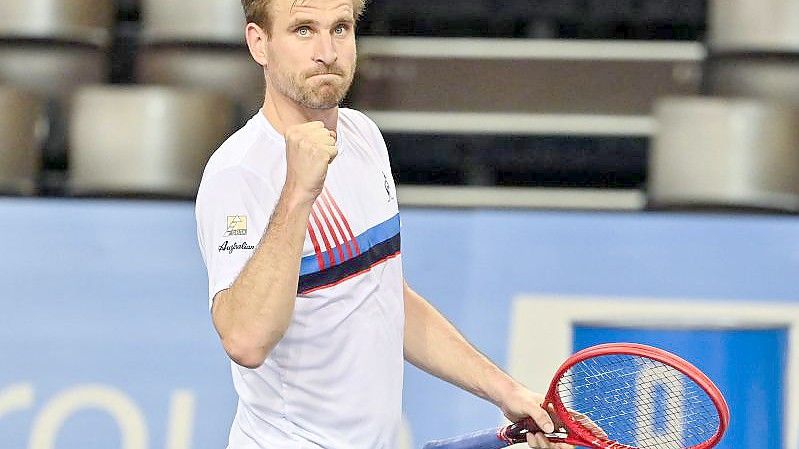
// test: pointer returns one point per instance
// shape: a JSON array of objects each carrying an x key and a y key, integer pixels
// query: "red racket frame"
[{"x": 580, "y": 436}]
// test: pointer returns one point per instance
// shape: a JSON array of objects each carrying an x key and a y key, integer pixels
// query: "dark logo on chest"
[{"x": 387, "y": 186}]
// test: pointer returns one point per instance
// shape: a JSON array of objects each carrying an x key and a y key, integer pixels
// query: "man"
[{"x": 299, "y": 228}]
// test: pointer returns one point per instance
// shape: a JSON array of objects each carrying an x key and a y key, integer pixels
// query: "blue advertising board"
[{"x": 107, "y": 341}]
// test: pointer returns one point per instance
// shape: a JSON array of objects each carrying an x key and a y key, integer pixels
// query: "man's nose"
[{"x": 325, "y": 50}]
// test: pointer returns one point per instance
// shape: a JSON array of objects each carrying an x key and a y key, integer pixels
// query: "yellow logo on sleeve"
[{"x": 236, "y": 225}]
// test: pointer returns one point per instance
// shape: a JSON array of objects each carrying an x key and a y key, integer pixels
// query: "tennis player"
[{"x": 299, "y": 228}]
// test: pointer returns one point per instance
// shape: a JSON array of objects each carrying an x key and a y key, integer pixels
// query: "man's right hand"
[{"x": 310, "y": 148}]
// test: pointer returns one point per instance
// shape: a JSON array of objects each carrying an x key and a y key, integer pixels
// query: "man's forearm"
[
  {"x": 254, "y": 313},
  {"x": 434, "y": 345}
]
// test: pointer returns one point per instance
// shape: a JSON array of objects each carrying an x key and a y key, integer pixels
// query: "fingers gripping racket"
[{"x": 620, "y": 396}]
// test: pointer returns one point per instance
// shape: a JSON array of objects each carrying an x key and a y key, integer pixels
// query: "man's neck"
[{"x": 284, "y": 113}]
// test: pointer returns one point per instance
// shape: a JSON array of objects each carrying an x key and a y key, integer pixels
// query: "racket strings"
[{"x": 638, "y": 402}]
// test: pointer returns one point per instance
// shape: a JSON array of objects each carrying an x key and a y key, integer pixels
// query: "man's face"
[{"x": 311, "y": 52}]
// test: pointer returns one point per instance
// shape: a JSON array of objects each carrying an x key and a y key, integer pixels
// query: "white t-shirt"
[{"x": 335, "y": 379}]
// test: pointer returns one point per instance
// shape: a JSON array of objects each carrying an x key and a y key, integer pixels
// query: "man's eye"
[
  {"x": 341, "y": 29},
  {"x": 304, "y": 31}
]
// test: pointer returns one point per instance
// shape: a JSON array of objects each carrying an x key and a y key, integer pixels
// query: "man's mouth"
[{"x": 326, "y": 74}]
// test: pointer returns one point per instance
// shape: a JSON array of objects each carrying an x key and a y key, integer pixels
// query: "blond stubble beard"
[{"x": 305, "y": 91}]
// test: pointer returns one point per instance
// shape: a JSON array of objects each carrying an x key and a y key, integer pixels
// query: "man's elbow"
[
  {"x": 247, "y": 359},
  {"x": 244, "y": 352}
]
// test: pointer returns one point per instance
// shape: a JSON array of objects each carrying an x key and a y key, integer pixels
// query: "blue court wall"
[{"x": 106, "y": 341}]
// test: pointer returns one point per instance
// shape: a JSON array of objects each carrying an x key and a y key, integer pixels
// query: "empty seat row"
[
  {"x": 121, "y": 140},
  {"x": 54, "y": 46},
  {"x": 728, "y": 152},
  {"x": 85, "y": 22},
  {"x": 155, "y": 141},
  {"x": 204, "y": 21},
  {"x": 92, "y": 21}
]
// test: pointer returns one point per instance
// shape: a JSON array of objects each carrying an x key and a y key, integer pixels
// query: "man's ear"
[{"x": 256, "y": 42}]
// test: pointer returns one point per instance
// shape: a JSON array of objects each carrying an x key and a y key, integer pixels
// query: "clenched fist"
[{"x": 310, "y": 148}]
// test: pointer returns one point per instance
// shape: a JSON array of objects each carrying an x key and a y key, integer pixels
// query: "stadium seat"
[
  {"x": 229, "y": 71},
  {"x": 86, "y": 21},
  {"x": 197, "y": 21},
  {"x": 717, "y": 152},
  {"x": 144, "y": 140},
  {"x": 742, "y": 26},
  {"x": 199, "y": 44},
  {"x": 21, "y": 120},
  {"x": 754, "y": 48},
  {"x": 53, "y": 46},
  {"x": 53, "y": 70}
]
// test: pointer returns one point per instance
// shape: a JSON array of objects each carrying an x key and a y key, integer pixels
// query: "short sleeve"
[
  {"x": 232, "y": 211},
  {"x": 380, "y": 142}
]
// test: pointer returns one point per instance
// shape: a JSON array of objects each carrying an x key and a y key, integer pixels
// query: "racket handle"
[{"x": 482, "y": 439}]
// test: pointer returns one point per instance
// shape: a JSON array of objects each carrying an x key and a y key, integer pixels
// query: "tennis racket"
[{"x": 620, "y": 396}]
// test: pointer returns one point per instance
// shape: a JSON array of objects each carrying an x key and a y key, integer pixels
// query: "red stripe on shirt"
[
  {"x": 332, "y": 232},
  {"x": 348, "y": 243},
  {"x": 324, "y": 237},
  {"x": 319, "y": 259},
  {"x": 343, "y": 218}
]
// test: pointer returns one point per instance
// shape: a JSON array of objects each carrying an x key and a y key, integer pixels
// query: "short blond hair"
[{"x": 257, "y": 11}]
